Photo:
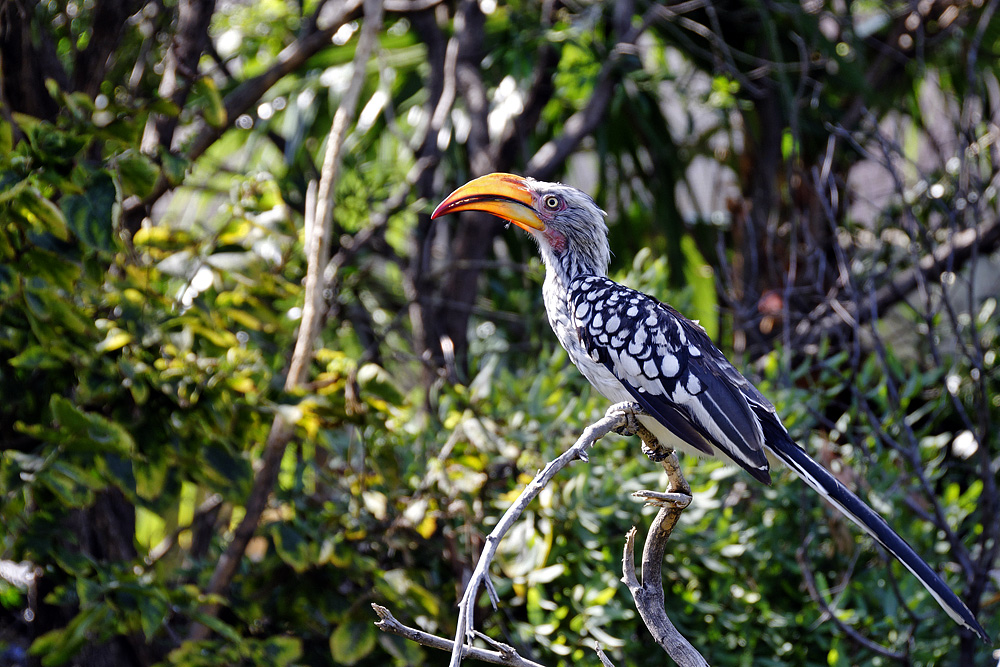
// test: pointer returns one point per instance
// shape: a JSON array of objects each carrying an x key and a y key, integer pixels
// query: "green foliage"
[{"x": 141, "y": 373}]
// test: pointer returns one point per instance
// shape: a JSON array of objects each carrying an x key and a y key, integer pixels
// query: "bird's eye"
[{"x": 552, "y": 202}]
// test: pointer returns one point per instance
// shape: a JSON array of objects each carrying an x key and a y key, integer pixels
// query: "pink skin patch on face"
[{"x": 557, "y": 240}]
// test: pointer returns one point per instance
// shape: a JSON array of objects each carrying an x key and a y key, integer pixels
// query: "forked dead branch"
[{"x": 620, "y": 418}]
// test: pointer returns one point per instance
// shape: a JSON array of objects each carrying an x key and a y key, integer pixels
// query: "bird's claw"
[
  {"x": 652, "y": 448},
  {"x": 630, "y": 412}
]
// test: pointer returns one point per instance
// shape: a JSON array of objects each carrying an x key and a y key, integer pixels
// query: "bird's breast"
[{"x": 604, "y": 381}]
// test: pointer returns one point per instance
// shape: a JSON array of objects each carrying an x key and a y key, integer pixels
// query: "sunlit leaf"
[
  {"x": 352, "y": 641},
  {"x": 115, "y": 340},
  {"x": 41, "y": 213}
]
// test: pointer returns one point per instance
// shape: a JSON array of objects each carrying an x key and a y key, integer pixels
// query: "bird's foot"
[
  {"x": 652, "y": 448},
  {"x": 630, "y": 413}
]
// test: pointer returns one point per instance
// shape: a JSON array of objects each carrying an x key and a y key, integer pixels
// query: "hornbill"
[{"x": 634, "y": 348}]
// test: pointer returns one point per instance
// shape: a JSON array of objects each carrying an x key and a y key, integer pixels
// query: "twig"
[
  {"x": 180, "y": 70},
  {"x": 605, "y": 662},
  {"x": 320, "y": 243},
  {"x": 613, "y": 420},
  {"x": 553, "y": 153},
  {"x": 211, "y": 504},
  {"x": 504, "y": 655},
  {"x": 621, "y": 418},
  {"x": 857, "y": 637},
  {"x": 983, "y": 239}
]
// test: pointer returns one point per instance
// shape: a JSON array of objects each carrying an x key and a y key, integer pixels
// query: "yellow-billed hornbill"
[{"x": 634, "y": 348}]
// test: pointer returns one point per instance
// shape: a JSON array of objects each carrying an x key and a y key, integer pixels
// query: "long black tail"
[{"x": 821, "y": 481}]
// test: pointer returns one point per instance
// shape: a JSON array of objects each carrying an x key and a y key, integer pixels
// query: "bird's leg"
[{"x": 631, "y": 425}]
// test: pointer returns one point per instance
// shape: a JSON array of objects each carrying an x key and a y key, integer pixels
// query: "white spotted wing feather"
[{"x": 671, "y": 368}]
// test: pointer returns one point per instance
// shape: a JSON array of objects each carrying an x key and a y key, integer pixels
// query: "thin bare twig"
[
  {"x": 603, "y": 658},
  {"x": 552, "y": 154},
  {"x": 323, "y": 221},
  {"x": 466, "y": 607},
  {"x": 621, "y": 418},
  {"x": 951, "y": 256},
  {"x": 248, "y": 93},
  {"x": 504, "y": 655},
  {"x": 857, "y": 637}
]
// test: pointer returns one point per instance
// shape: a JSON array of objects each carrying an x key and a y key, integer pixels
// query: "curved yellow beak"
[{"x": 504, "y": 195}]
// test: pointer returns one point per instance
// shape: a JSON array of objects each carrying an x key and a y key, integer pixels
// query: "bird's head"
[{"x": 568, "y": 226}]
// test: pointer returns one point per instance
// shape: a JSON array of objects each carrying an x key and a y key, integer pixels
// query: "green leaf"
[
  {"x": 6, "y": 138},
  {"x": 292, "y": 547},
  {"x": 51, "y": 306},
  {"x": 351, "y": 642},
  {"x": 174, "y": 167},
  {"x": 51, "y": 268},
  {"x": 225, "y": 470},
  {"x": 87, "y": 431},
  {"x": 58, "y": 646},
  {"x": 220, "y": 627},
  {"x": 138, "y": 173},
  {"x": 281, "y": 651},
  {"x": 152, "y": 611},
  {"x": 68, "y": 485},
  {"x": 213, "y": 107},
  {"x": 699, "y": 275},
  {"x": 41, "y": 214},
  {"x": 164, "y": 106},
  {"x": 118, "y": 470},
  {"x": 374, "y": 379},
  {"x": 115, "y": 340},
  {"x": 91, "y": 215},
  {"x": 54, "y": 146},
  {"x": 39, "y": 357}
]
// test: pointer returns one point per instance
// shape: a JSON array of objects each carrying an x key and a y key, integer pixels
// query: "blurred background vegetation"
[{"x": 816, "y": 181}]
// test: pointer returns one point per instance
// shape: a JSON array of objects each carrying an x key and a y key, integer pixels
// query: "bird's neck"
[
  {"x": 564, "y": 262},
  {"x": 561, "y": 268}
]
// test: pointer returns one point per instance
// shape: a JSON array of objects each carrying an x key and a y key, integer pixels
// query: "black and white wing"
[{"x": 671, "y": 368}]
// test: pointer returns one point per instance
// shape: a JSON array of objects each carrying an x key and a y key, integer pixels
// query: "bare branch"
[
  {"x": 552, "y": 154},
  {"x": 951, "y": 256},
  {"x": 109, "y": 22},
  {"x": 248, "y": 93},
  {"x": 180, "y": 69},
  {"x": 470, "y": 26},
  {"x": 603, "y": 658},
  {"x": 503, "y": 656},
  {"x": 540, "y": 91},
  {"x": 648, "y": 595},
  {"x": 621, "y": 418},
  {"x": 854, "y": 635},
  {"x": 613, "y": 420},
  {"x": 323, "y": 221}
]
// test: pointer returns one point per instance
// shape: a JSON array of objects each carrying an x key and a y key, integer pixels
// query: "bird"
[{"x": 634, "y": 348}]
